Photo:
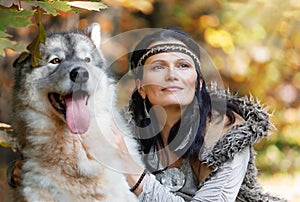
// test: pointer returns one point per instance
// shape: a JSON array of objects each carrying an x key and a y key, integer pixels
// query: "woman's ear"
[
  {"x": 200, "y": 84},
  {"x": 201, "y": 81},
  {"x": 140, "y": 88}
]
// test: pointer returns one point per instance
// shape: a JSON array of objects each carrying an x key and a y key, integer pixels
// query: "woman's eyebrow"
[
  {"x": 158, "y": 61},
  {"x": 185, "y": 60},
  {"x": 177, "y": 60}
]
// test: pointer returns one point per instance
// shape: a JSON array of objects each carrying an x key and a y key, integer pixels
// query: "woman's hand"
[
  {"x": 120, "y": 145},
  {"x": 118, "y": 140},
  {"x": 133, "y": 170},
  {"x": 13, "y": 173}
]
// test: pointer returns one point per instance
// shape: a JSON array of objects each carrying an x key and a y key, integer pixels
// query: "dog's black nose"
[{"x": 79, "y": 75}]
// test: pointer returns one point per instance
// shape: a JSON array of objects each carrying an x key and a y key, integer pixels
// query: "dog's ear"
[
  {"x": 94, "y": 32},
  {"x": 22, "y": 60}
]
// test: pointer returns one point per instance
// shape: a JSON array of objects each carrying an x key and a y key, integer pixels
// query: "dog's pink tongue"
[{"x": 77, "y": 113}]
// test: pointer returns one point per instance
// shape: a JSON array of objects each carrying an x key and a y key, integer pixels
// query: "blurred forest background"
[{"x": 254, "y": 44}]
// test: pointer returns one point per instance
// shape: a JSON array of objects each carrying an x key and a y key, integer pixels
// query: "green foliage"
[
  {"x": 11, "y": 45},
  {"x": 15, "y": 15},
  {"x": 52, "y": 8},
  {"x": 12, "y": 18}
]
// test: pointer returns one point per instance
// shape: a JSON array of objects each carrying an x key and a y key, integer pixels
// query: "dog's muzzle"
[{"x": 74, "y": 104}]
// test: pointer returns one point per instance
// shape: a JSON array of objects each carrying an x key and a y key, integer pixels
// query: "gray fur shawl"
[{"x": 246, "y": 134}]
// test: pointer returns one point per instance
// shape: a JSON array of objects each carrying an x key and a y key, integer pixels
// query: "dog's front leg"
[{"x": 37, "y": 194}]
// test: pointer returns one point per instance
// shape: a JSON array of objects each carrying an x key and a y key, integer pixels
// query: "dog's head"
[{"x": 66, "y": 77}]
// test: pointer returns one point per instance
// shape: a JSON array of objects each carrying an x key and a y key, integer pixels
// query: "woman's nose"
[{"x": 171, "y": 74}]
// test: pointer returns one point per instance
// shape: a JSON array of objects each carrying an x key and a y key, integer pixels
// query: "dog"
[{"x": 63, "y": 113}]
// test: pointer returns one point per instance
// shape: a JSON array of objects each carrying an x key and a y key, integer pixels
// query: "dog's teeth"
[{"x": 62, "y": 100}]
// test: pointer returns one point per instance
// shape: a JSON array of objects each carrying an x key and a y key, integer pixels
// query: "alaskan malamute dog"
[{"x": 63, "y": 112}]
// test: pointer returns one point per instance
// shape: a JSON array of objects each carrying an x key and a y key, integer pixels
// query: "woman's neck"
[{"x": 168, "y": 117}]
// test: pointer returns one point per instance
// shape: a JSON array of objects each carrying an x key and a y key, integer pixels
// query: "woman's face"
[{"x": 168, "y": 79}]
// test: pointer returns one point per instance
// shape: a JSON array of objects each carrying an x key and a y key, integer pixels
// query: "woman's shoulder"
[
  {"x": 217, "y": 127},
  {"x": 250, "y": 118}
]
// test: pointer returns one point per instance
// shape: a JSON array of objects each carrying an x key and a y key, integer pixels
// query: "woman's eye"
[
  {"x": 157, "y": 67},
  {"x": 87, "y": 59},
  {"x": 184, "y": 65},
  {"x": 55, "y": 61}
]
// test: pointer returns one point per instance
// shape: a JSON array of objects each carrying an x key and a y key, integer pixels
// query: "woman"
[{"x": 193, "y": 150}]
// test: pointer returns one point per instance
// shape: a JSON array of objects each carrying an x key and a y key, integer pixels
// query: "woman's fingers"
[
  {"x": 13, "y": 173},
  {"x": 119, "y": 140},
  {"x": 16, "y": 174}
]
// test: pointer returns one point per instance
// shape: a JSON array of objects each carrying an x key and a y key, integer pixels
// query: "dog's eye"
[
  {"x": 55, "y": 61},
  {"x": 87, "y": 59}
]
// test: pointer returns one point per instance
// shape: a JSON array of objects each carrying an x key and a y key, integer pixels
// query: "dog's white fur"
[{"x": 59, "y": 165}]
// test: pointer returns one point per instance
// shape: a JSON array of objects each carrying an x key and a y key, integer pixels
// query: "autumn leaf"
[
  {"x": 92, "y": 6},
  {"x": 34, "y": 46},
  {"x": 51, "y": 7}
]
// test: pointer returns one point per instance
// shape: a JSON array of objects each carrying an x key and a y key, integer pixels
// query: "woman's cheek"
[{"x": 152, "y": 92}]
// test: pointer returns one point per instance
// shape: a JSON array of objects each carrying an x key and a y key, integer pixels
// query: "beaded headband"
[{"x": 170, "y": 47}]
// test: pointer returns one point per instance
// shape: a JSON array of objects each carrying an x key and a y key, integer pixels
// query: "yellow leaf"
[
  {"x": 219, "y": 38},
  {"x": 92, "y": 6}
]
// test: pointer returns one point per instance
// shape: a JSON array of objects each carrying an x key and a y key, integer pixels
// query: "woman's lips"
[{"x": 171, "y": 89}]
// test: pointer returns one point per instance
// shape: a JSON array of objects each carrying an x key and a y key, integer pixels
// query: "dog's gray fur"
[{"x": 59, "y": 163}]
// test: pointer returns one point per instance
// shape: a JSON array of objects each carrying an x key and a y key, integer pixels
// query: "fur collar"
[{"x": 254, "y": 126}]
